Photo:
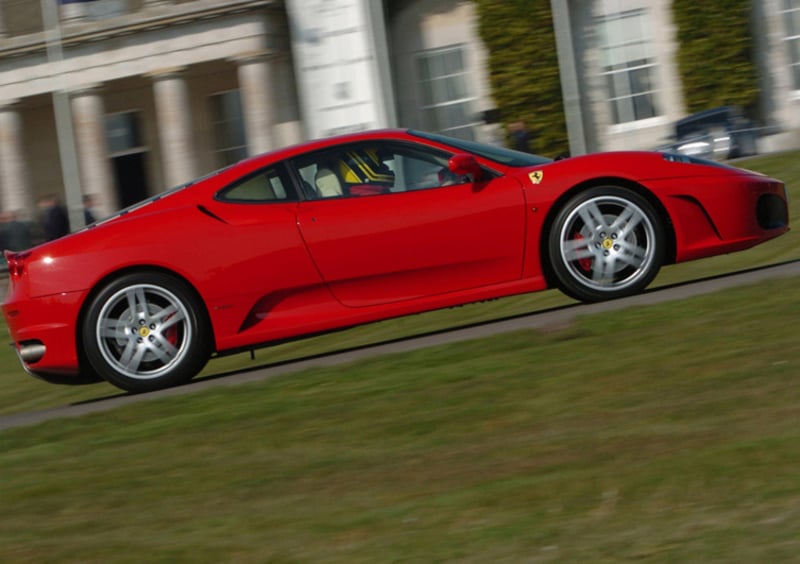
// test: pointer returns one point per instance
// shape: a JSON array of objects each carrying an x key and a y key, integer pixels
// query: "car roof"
[{"x": 322, "y": 143}]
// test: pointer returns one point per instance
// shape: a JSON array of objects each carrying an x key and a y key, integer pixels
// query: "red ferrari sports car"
[{"x": 358, "y": 228}]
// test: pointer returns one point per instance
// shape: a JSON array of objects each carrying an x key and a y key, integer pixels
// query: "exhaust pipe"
[{"x": 30, "y": 353}]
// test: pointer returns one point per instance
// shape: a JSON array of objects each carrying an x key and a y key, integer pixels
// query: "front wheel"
[
  {"x": 146, "y": 331},
  {"x": 605, "y": 243}
]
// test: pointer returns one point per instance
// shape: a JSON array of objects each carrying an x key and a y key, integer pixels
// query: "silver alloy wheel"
[
  {"x": 143, "y": 331},
  {"x": 607, "y": 243}
]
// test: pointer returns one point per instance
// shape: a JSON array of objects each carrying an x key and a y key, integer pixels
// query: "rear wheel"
[
  {"x": 145, "y": 331},
  {"x": 605, "y": 243}
]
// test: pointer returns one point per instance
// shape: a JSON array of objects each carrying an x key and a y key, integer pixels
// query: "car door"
[
  {"x": 388, "y": 222},
  {"x": 268, "y": 284}
]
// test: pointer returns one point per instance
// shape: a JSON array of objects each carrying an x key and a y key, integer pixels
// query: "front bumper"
[{"x": 719, "y": 215}]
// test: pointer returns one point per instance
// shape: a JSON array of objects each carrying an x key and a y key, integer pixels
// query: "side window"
[
  {"x": 265, "y": 186},
  {"x": 371, "y": 168},
  {"x": 422, "y": 169},
  {"x": 319, "y": 177}
]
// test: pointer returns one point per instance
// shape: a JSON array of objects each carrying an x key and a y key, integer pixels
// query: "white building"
[
  {"x": 161, "y": 91},
  {"x": 621, "y": 84}
]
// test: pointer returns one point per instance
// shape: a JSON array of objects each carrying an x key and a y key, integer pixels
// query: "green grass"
[{"x": 667, "y": 433}]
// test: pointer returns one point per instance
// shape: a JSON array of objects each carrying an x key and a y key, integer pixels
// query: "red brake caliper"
[
  {"x": 171, "y": 333},
  {"x": 584, "y": 263}
]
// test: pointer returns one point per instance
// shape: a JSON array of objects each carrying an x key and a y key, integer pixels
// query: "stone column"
[
  {"x": 15, "y": 183},
  {"x": 174, "y": 126},
  {"x": 258, "y": 103},
  {"x": 97, "y": 179},
  {"x": 288, "y": 129}
]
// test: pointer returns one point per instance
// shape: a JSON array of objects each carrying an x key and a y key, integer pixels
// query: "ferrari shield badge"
[{"x": 536, "y": 176}]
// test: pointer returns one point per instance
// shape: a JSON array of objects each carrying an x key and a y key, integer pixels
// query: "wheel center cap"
[
  {"x": 607, "y": 243},
  {"x": 144, "y": 331}
]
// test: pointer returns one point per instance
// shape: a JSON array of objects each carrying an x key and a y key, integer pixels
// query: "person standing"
[
  {"x": 16, "y": 234},
  {"x": 55, "y": 222},
  {"x": 88, "y": 212},
  {"x": 520, "y": 137}
]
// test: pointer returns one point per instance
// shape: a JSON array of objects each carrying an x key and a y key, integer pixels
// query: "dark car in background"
[{"x": 719, "y": 133}]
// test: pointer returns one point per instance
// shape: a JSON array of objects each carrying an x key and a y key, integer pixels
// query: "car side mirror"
[{"x": 465, "y": 165}]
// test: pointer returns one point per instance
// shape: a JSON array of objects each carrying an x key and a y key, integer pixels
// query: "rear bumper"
[
  {"x": 43, "y": 331},
  {"x": 69, "y": 377}
]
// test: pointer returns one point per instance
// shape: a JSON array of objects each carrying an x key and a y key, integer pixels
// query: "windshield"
[{"x": 498, "y": 154}]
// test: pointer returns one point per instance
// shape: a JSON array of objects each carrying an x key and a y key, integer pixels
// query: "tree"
[
  {"x": 523, "y": 69},
  {"x": 715, "y": 54}
]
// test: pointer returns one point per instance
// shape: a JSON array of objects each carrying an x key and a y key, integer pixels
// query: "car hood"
[{"x": 641, "y": 166}]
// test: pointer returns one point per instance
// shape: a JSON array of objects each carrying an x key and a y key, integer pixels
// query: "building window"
[
  {"x": 791, "y": 15},
  {"x": 92, "y": 9},
  {"x": 228, "y": 125},
  {"x": 103, "y": 9},
  {"x": 123, "y": 133},
  {"x": 446, "y": 99},
  {"x": 628, "y": 65}
]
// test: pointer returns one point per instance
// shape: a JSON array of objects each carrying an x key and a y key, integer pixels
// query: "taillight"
[{"x": 16, "y": 263}]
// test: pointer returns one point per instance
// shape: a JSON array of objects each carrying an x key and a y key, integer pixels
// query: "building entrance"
[
  {"x": 130, "y": 176},
  {"x": 128, "y": 157}
]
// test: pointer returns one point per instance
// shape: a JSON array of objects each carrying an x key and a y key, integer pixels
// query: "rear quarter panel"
[{"x": 232, "y": 264}]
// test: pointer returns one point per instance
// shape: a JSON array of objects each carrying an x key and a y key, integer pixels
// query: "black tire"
[
  {"x": 145, "y": 331},
  {"x": 606, "y": 242}
]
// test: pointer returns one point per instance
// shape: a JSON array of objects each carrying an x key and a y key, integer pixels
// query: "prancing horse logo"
[{"x": 536, "y": 176}]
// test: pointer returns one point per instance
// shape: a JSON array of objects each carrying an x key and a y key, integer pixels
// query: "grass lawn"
[{"x": 665, "y": 434}]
